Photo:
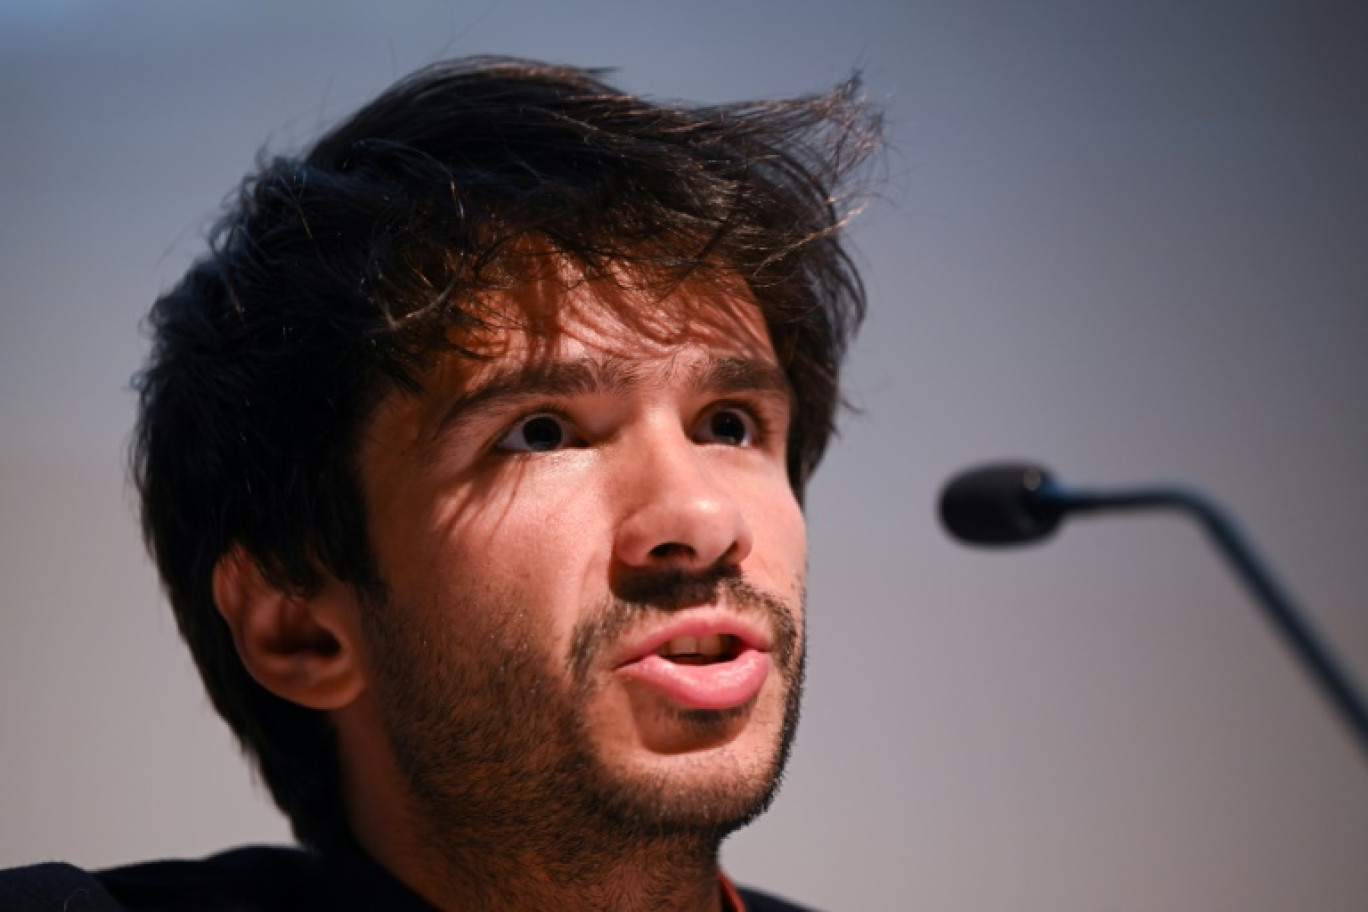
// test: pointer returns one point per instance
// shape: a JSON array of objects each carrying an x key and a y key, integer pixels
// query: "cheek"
[
  {"x": 780, "y": 531},
  {"x": 528, "y": 511},
  {"x": 540, "y": 539}
]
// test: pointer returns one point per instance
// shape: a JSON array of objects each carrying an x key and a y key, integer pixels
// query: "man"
[{"x": 472, "y": 458}]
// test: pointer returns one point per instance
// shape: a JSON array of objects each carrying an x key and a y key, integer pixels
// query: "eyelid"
[
  {"x": 767, "y": 417},
  {"x": 572, "y": 438},
  {"x": 763, "y": 417}
]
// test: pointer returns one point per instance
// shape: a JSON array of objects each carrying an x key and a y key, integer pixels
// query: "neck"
[{"x": 481, "y": 870}]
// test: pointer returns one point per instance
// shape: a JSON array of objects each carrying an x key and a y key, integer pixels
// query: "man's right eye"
[{"x": 537, "y": 433}]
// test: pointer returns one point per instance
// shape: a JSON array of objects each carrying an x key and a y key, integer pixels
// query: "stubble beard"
[{"x": 497, "y": 751}]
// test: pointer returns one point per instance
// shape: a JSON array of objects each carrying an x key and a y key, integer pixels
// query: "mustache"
[
  {"x": 657, "y": 594},
  {"x": 675, "y": 587}
]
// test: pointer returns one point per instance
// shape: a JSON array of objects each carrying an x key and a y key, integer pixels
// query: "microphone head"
[{"x": 999, "y": 505}]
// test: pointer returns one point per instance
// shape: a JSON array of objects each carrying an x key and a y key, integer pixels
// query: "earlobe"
[{"x": 303, "y": 647}]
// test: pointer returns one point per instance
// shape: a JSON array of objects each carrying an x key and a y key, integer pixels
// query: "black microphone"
[
  {"x": 1004, "y": 504},
  {"x": 1017, "y": 503}
]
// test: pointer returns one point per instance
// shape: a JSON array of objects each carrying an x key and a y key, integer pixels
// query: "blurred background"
[{"x": 1129, "y": 240}]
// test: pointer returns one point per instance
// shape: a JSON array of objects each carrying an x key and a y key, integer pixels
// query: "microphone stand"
[{"x": 1051, "y": 501}]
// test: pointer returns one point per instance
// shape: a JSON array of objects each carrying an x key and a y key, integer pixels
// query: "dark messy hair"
[{"x": 334, "y": 277}]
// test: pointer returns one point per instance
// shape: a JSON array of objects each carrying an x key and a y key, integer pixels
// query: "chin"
[
  {"x": 690, "y": 795},
  {"x": 721, "y": 771}
]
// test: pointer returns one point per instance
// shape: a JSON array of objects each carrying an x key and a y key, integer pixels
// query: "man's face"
[{"x": 593, "y": 570}]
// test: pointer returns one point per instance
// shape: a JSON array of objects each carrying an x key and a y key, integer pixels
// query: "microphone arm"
[{"x": 1014, "y": 504}]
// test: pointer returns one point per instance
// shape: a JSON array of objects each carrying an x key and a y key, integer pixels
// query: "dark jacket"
[{"x": 256, "y": 879}]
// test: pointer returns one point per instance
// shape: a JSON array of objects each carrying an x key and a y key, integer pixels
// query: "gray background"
[{"x": 1126, "y": 239}]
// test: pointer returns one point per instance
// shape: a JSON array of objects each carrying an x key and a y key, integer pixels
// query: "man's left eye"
[{"x": 730, "y": 426}]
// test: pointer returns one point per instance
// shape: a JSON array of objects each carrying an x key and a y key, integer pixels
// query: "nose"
[{"x": 675, "y": 512}]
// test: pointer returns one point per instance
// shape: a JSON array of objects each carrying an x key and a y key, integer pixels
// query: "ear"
[{"x": 302, "y": 647}]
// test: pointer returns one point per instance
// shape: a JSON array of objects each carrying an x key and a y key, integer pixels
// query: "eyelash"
[
  {"x": 758, "y": 427},
  {"x": 562, "y": 420},
  {"x": 758, "y": 424}
]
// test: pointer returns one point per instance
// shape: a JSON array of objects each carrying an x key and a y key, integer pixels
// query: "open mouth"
[
  {"x": 705, "y": 661},
  {"x": 700, "y": 650}
]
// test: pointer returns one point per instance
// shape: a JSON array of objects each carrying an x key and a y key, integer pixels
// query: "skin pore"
[{"x": 541, "y": 517}]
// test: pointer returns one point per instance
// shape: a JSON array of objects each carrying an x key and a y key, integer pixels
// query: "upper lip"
[{"x": 697, "y": 622}]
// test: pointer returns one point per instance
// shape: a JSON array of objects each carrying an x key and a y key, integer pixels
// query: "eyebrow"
[{"x": 719, "y": 376}]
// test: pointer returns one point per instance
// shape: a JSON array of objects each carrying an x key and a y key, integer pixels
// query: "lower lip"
[{"x": 723, "y": 685}]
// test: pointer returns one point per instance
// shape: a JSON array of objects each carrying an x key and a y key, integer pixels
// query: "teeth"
[
  {"x": 712, "y": 645},
  {"x": 685, "y": 645}
]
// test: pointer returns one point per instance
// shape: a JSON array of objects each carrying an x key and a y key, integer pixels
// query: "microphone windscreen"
[{"x": 998, "y": 505}]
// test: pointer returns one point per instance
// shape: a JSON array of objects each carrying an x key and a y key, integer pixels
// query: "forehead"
[{"x": 611, "y": 321}]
